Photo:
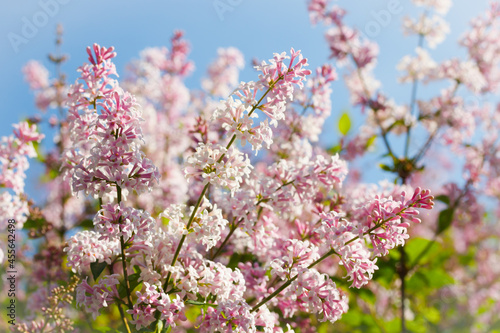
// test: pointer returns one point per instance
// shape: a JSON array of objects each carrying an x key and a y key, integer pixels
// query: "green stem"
[
  {"x": 231, "y": 141},
  {"x": 323, "y": 257},
  {"x": 183, "y": 238},
  {"x": 431, "y": 137},
  {"x": 119, "y": 304},
  {"x": 231, "y": 231},
  {"x": 455, "y": 204},
  {"x": 412, "y": 102},
  {"x": 122, "y": 249},
  {"x": 368, "y": 96},
  {"x": 402, "y": 271},
  {"x": 124, "y": 319},
  {"x": 422, "y": 253}
]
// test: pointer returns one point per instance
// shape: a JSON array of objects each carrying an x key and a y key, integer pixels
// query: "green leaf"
[
  {"x": 432, "y": 315},
  {"x": 165, "y": 220},
  {"x": 438, "y": 278},
  {"x": 200, "y": 303},
  {"x": 133, "y": 281},
  {"x": 445, "y": 219},
  {"x": 385, "y": 167},
  {"x": 415, "y": 247},
  {"x": 370, "y": 142},
  {"x": 39, "y": 154},
  {"x": 429, "y": 279},
  {"x": 159, "y": 326},
  {"x": 192, "y": 313},
  {"x": 367, "y": 295},
  {"x": 334, "y": 149},
  {"x": 323, "y": 328},
  {"x": 417, "y": 282},
  {"x": 34, "y": 223},
  {"x": 236, "y": 258},
  {"x": 443, "y": 198},
  {"x": 344, "y": 123},
  {"x": 87, "y": 224},
  {"x": 97, "y": 268},
  {"x": 105, "y": 329},
  {"x": 387, "y": 270},
  {"x": 352, "y": 317}
]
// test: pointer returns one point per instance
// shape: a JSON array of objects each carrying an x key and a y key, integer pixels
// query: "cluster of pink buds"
[
  {"x": 106, "y": 133},
  {"x": 14, "y": 153}
]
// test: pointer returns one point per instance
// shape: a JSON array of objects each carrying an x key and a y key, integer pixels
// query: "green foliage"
[
  {"x": 344, "y": 123},
  {"x": 133, "y": 281},
  {"x": 387, "y": 271},
  {"x": 334, "y": 149},
  {"x": 385, "y": 167},
  {"x": 415, "y": 248},
  {"x": 425, "y": 279},
  {"x": 39, "y": 155},
  {"x": 238, "y": 257},
  {"x": 97, "y": 268},
  {"x": 34, "y": 223},
  {"x": 87, "y": 224},
  {"x": 106, "y": 329},
  {"x": 445, "y": 219},
  {"x": 443, "y": 198},
  {"x": 371, "y": 141}
]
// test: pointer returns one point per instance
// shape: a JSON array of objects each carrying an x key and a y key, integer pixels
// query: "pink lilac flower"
[
  {"x": 114, "y": 157},
  {"x": 393, "y": 215},
  {"x": 278, "y": 81},
  {"x": 151, "y": 300},
  {"x": 174, "y": 96},
  {"x": 208, "y": 225},
  {"x": 14, "y": 152},
  {"x": 482, "y": 48},
  {"x": 440, "y": 6},
  {"x": 356, "y": 258},
  {"x": 362, "y": 85},
  {"x": 154, "y": 254},
  {"x": 256, "y": 279},
  {"x": 433, "y": 28},
  {"x": 319, "y": 12},
  {"x": 34, "y": 326},
  {"x": 177, "y": 62},
  {"x": 466, "y": 72},
  {"x": 101, "y": 295},
  {"x": 317, "y": 294},
  {"x": 115, "y": 220},
  {"x": 36, "y": 75},
  {"x": 66, "y": 215},
  {"x": 229, "y": 316},
  {"x": 383, "y": 221},
  {"x": 223, "y": 72},
  {"x": 416, "y": 68},
  {"x": 85, "y": 248},
  {"x": 320, "y": 89},
  {"x": 296, "y": 255},
  {"x": 360, "y": 143},
  {"x": 206, "y": 277},
  {"x": 217, "y": 165}
]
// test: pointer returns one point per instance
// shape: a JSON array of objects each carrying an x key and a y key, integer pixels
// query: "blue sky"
[{"x": 256, "y": 27}]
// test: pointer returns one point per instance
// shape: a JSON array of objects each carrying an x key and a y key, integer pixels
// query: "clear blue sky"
[{"x": 256, "y": 27}]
